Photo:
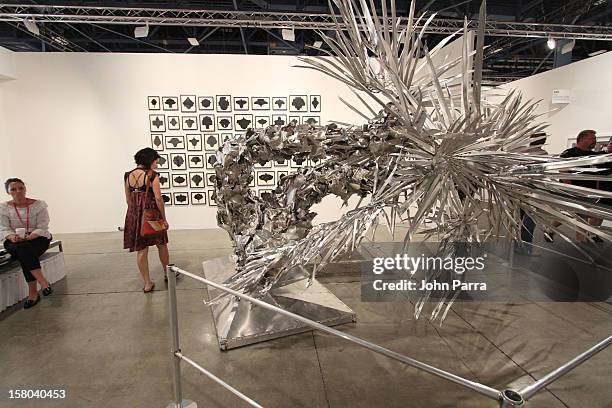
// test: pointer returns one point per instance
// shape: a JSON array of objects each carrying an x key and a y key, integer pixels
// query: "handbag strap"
[{"x": 147, "y": 184}]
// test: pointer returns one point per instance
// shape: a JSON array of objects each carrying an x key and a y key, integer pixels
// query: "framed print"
[
  {"x": 258, "y": 166},
  {"x": 174, "y": 123},
  {"x": 206, "y": 103},
  {"x": 188, "y": 103},
  {"x": 210, "y": 180},
  {"x": 314, "y": 103},
  {"x": 177, "y": 161},
  {"x": 262, "y": 121},
  {"x": 211, "y": 198},
  {"x": 197, "y": 180},
  {"x": 153, "y": 103},
  {"x": 224, "y": 103},
  {"x": 265, "y": 178},
  {"x": 260, "y": 103},
  {"x": 225, "y": 137},
  {"x": 180, "y": 198},
  {"x": 279, "y": 120},
  {"x": 175, "y": 142},
  {"x": 189, "y": 122},
  {"x": 280, "y": 174},
  {"x": 170, "y": 103},
  {"x": 296, "y": 119},
  {"x": 207, "y": 122},
  {"x": 298, "y": 103},
  {"x": 279, "y": 103},
  {"x": 298, "y": 162},
  {"x": 243, "y": 122},
  {"x": 157, "y": 142},
  {"x": 252, "y": 182},
  {"x": 311, "y": 120},
  {"x": 281, "y": 163},
  {"x": 211, "y": 142},
  {"x": 225, "y": 123},
  {"x": 194, "y": 142},
  {"x": 198, "y": 197},
  {"x": 241, "y": 103},
  {"x": 167, "y": 197},
  {"x": 179, "y": 180},
  {"x": 162, "y": 162},
  {"x": 164, "y": 179},
  {"x": 211, "y": 159},
  {"x": 196, "y": 161},
  {"x": 157, "y": 122}
]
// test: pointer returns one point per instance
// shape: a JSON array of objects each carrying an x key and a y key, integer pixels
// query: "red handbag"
[{"x": 152, "y": 223}]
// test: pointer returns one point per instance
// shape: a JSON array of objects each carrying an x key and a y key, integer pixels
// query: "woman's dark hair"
[
  {"x": 8, "y": 182},
  {"x": 145, "y": 157}
]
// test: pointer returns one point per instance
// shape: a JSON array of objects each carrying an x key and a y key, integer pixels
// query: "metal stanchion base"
[
  {"x": 184, "y": 404},
  {"x": 511, "y": 399},
  {"x": 239, "y": 323}
]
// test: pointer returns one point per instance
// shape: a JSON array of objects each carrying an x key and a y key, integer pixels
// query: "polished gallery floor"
[{"x": 107, "y": 344}]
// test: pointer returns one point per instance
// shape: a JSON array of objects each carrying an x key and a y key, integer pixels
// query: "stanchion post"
[{"x": 176, "y": 348}]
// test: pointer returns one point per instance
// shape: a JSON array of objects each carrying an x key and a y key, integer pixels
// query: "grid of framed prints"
[{"x": 187, "y": 130}]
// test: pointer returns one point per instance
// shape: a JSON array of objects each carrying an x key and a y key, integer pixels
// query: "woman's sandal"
[
  {"x": 31, "y": 303},
  {"x": 150, "y": 289}
]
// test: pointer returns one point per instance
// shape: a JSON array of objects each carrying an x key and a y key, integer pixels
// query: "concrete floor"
[{"x": 107, "y": 344}]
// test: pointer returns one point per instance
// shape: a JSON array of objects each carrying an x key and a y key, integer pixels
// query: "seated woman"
[{"x": 31, "y": 219}]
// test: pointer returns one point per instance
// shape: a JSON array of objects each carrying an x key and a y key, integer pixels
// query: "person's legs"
[
  {"x": 28, "y": 253},
  {"x": 142, "y": 259},
  {"x": 164, "y": 256}
]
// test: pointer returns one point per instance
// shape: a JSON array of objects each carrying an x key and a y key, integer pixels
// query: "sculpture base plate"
[{"x": 239, "y": 323}]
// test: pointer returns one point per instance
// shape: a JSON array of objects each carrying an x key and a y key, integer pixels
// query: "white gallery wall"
[
  {"x": 72, "y": 122},
  {"x": 590, "y": 85}
]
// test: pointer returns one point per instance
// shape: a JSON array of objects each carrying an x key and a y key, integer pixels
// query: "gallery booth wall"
[
  {"x": 71, "y": 122},
  {"x": 589, "y": 85}
]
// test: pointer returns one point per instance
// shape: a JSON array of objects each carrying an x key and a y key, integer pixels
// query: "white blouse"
[{"x": 39, "y": 219}]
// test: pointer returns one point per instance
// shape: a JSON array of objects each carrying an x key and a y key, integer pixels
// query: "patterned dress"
[{"x": 132, "y": 239}]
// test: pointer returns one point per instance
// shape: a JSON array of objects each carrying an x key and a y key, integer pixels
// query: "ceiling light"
[
  {"x": 594, "y": 53},
  {"x": 551, "y": 43},
  {"x": 60, "y": 40},
  {"x": 31, "y": 26},
  {"x": 288, "y": 34},
  {"x": 142, "y": 31},
  {"x": 193, "y": 41},
  {"x": 317, "y": 44}
]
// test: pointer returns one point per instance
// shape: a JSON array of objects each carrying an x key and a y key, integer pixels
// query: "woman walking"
[{"x": 142, "y": 192}]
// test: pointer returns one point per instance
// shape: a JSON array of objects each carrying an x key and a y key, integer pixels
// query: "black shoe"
[
  {"x": 47, "y": 291},
  {"x": 31, "y": 303},
  {"x": 549, "y": 236}
]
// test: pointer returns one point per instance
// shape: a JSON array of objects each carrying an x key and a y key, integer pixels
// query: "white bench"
[{"x": 14, "y": 288}]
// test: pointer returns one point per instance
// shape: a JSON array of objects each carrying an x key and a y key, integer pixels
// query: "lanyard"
[{"x": 27, "y": 223}]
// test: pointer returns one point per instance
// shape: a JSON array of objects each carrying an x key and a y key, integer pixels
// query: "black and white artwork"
[
  {"x": 210, "y": 180},
  {"x": 197, "y": 179},
  {"x": 175, "y": 142},
  {"x": 267, "y": 165},
  {"x": 225, "y": 123},
  {"x": 311, "y": 120},
  {"x": 164, "y": 179},
  {"x": 280, "y": 174},
  {"x": 241, "y": 103},
  {"x": 281, "y": 163},
  {"x": 198, "y": 197},
  {"x": 295, "y": 119},
  {"x": 157, "y": 141},
  {"x": 195, "y": 161},
  {"x": 298, "y": 162},
  {"x": 262, "y": 121},
  {"x": 179, "y": 180},
  {"x": 167, "y": 197},
  {"x": 211, "y": 159},
  {"x": 180, "y": 198},
  {"x": 188, "y": 103},
  {"x": 211, "y": 198},
  {"x": 170, "y": 103},
  {"x": 207, "y": 123},
  {"x": 162, "y": 162},
  {"x": 279, "y": 103},
  {"x": 194, "y": 142},
  {"x": 243, "y": 122},
  {"x": 252, "y": 182},
  {"x": 211, "y": 142},
  {"x": 225, "y": 137},
  {"x": 314, "y": 103},
  {"x": 153, "y": 103},
  {"x": 157, "y": 123},
  {"x": 298, "y": 103},
  {"x": 178, "y": 161},
  {"x": 206, "y": 103},
  {"x": 190, "y": 122},
  {"x": 279, "y": 120},
  {"x": 260, "y": 103},
  {"x": 265, "y": 178},
  {"x": 174, "y": 123},
  {"x": 224, "y": 103}
]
